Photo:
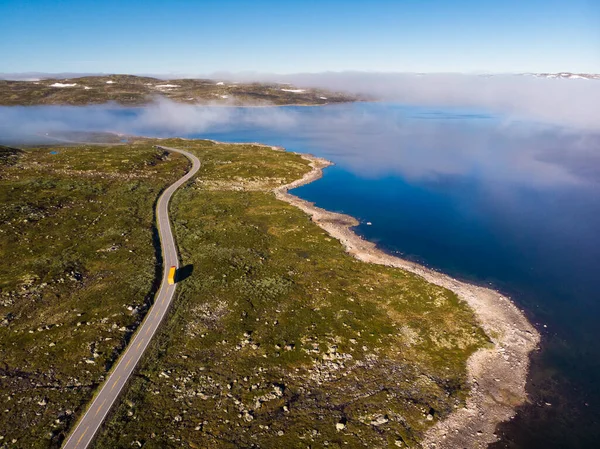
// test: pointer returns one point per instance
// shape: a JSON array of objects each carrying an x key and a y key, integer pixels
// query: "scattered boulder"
[{"x": 380, "y": 420}]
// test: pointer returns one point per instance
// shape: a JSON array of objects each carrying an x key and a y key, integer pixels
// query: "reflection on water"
[{"x": 474, "y": 194}]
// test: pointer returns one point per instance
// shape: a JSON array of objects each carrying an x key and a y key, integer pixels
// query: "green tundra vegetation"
[
  {"x": 276, "y": 337},
  {"x": 138, "y": 90},
  {"x": 78, "y": 273}
]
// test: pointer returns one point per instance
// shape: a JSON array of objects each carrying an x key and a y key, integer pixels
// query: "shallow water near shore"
[{"x": 498, "y": 201}]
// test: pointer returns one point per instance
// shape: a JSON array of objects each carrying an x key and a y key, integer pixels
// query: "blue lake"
[{"x": 503, "y": 202}]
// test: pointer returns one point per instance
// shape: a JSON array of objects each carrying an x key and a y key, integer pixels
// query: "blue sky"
[{"x": 204, "y": 36}]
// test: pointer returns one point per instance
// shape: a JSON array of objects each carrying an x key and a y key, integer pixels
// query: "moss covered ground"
[
  {"x": 278, "y": 338},
  {"x": 77, "y": 274}
]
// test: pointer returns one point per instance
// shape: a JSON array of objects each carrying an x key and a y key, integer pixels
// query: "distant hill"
[
  {"x": 138, "y": 90},
  {"x": 566, "y": 75}
]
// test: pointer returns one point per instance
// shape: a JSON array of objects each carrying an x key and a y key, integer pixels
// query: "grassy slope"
[
  {"x": 278, "y": 335},
  {"x": 77, "y": 248},
  {"x": 136, "y": 90}
]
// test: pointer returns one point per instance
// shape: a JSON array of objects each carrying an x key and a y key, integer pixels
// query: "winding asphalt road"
[{"x": 85, "y": 430}]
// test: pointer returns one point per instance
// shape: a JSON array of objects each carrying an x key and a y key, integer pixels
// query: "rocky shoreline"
[{"x": 497, "y": 376}]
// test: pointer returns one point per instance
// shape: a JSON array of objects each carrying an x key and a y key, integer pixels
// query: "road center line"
[
  {"x": 82, "y": 435},
  {"x": 115, "y": 383},
  {"x": 100, "y": 408}
]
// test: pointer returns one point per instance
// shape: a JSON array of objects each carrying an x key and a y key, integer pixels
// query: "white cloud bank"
[
  {"x": 383, "y": 139},
  {"x": 370, "y": 140},
  {"x": 568, "y": 102}
]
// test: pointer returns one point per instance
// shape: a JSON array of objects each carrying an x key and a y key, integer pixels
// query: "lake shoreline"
[{"x": 497, "y": 376}]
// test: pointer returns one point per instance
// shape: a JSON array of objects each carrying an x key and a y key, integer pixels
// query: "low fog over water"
[
  {"x": 372, "y": 139},
  {"x": 570, "y": 102},
  {"x": 492, "y": 179}
]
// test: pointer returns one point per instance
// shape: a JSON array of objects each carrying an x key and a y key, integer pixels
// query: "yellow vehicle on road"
[{"x": 171, "y": 278}]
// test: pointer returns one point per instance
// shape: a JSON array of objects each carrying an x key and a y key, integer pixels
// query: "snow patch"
[
  {"x": 110, "y": 82},
  {"x": 86, "y": 87},
  {"x": 563, "y": 75},
  {"x": 63, "y": 85},
  {"x": 323, "y": 98},
  {"x": 220, "y": 83},
  {"x": 166, "y": 86},
  {"x": 296, "y": 91},
  {"x": 224, "y": 96}
]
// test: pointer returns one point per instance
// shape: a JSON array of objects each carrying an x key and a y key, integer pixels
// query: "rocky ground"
[{"x": 137, "y": 90}]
